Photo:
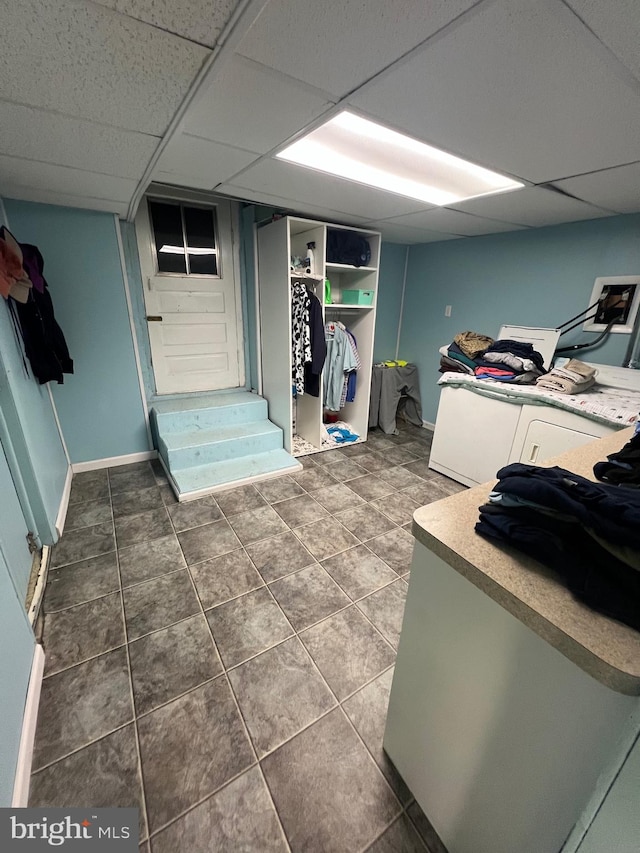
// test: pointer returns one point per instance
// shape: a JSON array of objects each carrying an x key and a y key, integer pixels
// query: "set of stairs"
[{"x": 208, "y": 442}]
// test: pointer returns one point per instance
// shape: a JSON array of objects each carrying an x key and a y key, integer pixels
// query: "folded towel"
[{"x": 573, "y": 378}]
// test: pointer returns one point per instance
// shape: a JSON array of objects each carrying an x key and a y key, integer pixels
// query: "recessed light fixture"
[{"x": 363, "y": 151}]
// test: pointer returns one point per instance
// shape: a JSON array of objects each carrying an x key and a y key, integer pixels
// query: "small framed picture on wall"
[{"x": 614, "y": 298}]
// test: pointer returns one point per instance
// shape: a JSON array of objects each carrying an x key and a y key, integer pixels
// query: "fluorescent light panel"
[{"x": 363, "y": 151}]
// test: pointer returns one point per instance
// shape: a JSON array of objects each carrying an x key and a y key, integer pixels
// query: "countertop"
[{"x": 606, "y": 649}]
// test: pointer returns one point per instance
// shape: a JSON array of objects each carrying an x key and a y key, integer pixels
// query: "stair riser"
[
  {"x": 213, "y": 417},
  {"x": 190, "y": 481},
  {"x": 221, "y": 451}
]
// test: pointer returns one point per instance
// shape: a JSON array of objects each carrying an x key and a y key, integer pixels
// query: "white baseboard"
[
  {"x": 428, "y": 425},
  {"x": 64, "y": 503},
  {"x": 25, "y": 754},
  {"x": 38, "y": 593},
  {"x": 95, "y": 464}
]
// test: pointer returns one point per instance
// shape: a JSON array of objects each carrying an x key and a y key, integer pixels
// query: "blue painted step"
[
  {"x": 200, "y": 446},
  {"x": 208, "y": 410},
  {"x": 220, "y": 475}
]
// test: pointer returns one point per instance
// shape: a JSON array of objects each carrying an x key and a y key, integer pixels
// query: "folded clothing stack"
[
  {"x": 573, "y": 378},
  {"x": 588, "y": 533},
  {"x": 510, "y": 361},
  {"x": 623, "y": 467},
  {"x": 460, "y": 355}
]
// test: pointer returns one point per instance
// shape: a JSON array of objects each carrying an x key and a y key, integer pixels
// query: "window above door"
[{"x": 185, "y": 238}]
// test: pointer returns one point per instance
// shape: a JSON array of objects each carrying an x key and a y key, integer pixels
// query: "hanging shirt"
[
  {"x": 340, "y": 360},
  {"x": 300, "y": 334},
  {"x": 313, "y": 368}
]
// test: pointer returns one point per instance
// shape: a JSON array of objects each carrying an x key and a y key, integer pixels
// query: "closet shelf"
[
  {"x": 330, "y": 266},
  {"x": 306, "y": 275},
  {"x": 339, "y": 306}
]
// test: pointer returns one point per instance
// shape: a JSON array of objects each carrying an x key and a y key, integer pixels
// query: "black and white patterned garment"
[{"x": 300, "y": 334}]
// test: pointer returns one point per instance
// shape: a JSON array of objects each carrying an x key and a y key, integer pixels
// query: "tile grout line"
[{"x": 143, "y": 792}]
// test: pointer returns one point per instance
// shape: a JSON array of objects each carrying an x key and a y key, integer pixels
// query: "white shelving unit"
[{"x": 277, "y": 243}]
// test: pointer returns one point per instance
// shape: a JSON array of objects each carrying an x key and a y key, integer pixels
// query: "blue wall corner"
[
  {"x": 541, "y": 276},
  {"x": 100, "y": 407},
  {"x": 390, "y": 281}
]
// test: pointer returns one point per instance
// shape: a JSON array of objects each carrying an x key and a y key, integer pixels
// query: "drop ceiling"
[{"x": 98, "y": 99}]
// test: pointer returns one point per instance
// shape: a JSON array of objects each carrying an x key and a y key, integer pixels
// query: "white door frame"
[{"x": 179, "y": 194}]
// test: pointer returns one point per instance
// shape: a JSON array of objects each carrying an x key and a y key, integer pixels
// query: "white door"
[{"x": 190, "y": 294}]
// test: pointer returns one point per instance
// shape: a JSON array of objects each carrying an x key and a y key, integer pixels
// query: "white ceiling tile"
[
  {"x": 201, "y": 162},
  {"x": 534, "y": 206},
  {"x": 63, "y": 199},
  {"x": 519, "y": 87},
  {"x": 198, "y": 20},
  {"x": 311, "y": 211},
  {"x": 617, "y": 189},
  {"x": 337, "y": 46},
  {"x": 454, "y": 222},
  {"x": 617, "y": 24},
  {"x": 53, "y": 138},
  {"x": 306, "y": 186},
  {"x": 62, "y": 179},
  {"x": 252, "y": 107},
  {"x": 393, "y": 233},
  {"x": 87, "y": 61}
]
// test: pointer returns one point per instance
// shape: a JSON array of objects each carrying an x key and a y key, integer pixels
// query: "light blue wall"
[
  {"x": 100, "y": 406},
  {"x": 390, "y": 279},
  {"x": 542, "y": 276},
  {"x": 247, "y": 277},
  {"x": 29, "y": 432},
  {"x": 134, "y": 274}
]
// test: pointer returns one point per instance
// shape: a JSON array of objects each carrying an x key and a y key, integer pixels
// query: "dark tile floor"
[{"x": 225, "y": 664}]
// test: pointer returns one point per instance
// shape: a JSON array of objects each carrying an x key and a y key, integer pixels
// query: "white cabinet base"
[{"x": 499, "y": 737}]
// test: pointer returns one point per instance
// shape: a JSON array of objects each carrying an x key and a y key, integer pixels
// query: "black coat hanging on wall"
[{"x": 44, "y": 342}]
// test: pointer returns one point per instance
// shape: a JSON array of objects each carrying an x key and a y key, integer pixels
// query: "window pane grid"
[{"x": 185, "y": 239}]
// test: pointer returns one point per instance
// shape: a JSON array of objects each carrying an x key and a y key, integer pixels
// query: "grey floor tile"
[
  {"x": 279, "y": 693},
  {"x": 239, "y": 500},
  {"x": 365, "y": 522},
  {"x": 421, "y": 468},
  {"x": 167, "y": 494},
  {"x": 380, "y": 441},
  {"x": 400, "y": 478},
  {"x": 325, "y": 538},
  {"x": 367, "y": 710},
  {"x": 279, "y": 489},
  {"x": 89, "y": 486},
  {"x": 279, "y": 556},
  {"x": 158, "y": 471},
  {"x": 81, "y": 582},
  {"x": 425, "y": 492},
  {"x": 132, "y": 529},
  {"x": 87, "y": 514},
  {"x": 348, "y": 651},
  {"x": 172, "y": 661},
  {"x": 395, "y": 548},
  {"x": 214, "y": 826},
  {"x": 358, "y": 571},
  {"x": 312, "y": 479},
  {"x": 257, "y": 524},
  {"x": 159, "y": 602},
  {"x": 448, "y": 486},
  {"x": 127, "y": 478},
  {"x": 370, "y": 487},
  {"x": 308, "y": 461},
  {"x": 301, "y": 510},
  {"x": 401, "y": 837},
  {"x": 82, "y": 704},
  {"x": 421, "y": 449},
  {"x": 247, "y": 625},
  {"x": 385, "y": 608},
  {"x": 346, "y": 469},
  {"x": 398, "y": 507},
  {"x": 425, "y": 829},
  {"x": 355, "y": 450},
  {"x": 225, "y": 577},
  {"x": 337, "y": 498},
  {"x": 135, "y": 502},
  {"x": 150, "y": 559},
  {"x": 194, "y": 513},
  {"x": 330, "y": 795},
  {"x": 190, "y": 748},
  {"x": 208, "y": 541},
  {"x": 328, "y": 456},
  {"x": 375, "y": 462},
  {"x": 400, "y": 455},
  {"x": 308, "y": 596},
  {"x": 105, "y": 774},
  {"x": 131, "y": 467},
  {"x": 81, "y": 544},
  {"x": 82, "y": 632}
]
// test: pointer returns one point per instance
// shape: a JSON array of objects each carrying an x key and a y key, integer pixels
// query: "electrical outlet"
[{"x": 447, "y": 310}]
